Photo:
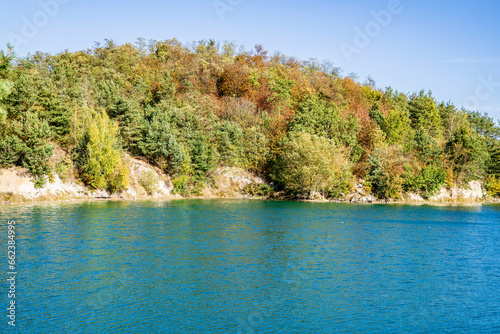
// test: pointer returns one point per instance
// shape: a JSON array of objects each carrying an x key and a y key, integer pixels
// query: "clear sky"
[{"x": 449, "y": 47}]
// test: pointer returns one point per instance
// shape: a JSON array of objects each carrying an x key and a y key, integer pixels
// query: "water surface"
[{"x": 215, "y": 266}]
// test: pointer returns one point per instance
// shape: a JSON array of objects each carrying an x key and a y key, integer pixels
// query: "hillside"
[{"x": 191, "y": 111}]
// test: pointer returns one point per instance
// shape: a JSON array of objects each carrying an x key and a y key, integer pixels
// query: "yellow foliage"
[
  {"x": 103, "y": 167},
  {"x": 493, "y": 186}
]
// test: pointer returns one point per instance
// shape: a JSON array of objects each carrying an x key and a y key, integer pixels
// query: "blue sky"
[{"x": 449, "y": 47}]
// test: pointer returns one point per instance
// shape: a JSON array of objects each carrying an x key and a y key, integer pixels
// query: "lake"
[{"x": 231, "y": 266}]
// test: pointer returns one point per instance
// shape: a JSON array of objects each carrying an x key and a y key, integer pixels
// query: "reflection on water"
[{"x": 201, "y": 266}]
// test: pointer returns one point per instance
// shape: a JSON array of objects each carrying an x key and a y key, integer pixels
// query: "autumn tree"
[
  {"x": 310, "y": 164},
  {"x": 233, "y": 81},
  {"x": 100, "y": 157}
]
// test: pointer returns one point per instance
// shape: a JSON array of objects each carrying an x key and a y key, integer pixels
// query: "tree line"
[{"x": 188, "y": 109}]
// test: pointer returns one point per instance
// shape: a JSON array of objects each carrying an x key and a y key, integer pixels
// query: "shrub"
[
  {"x": 259, "y": 190},
  {"x": 428, "y": 181},
  {"x": 119, "y": 181},
  {"x": 181, "y": 184},
  {"x": 385, "y": 170},
  {"x": 309, "y": 164},
  {"x": 11, "y": 149},
  {"x": 383, "y": 183},
  {"x": 63, "y": 167},
  {"x": 493, "y": 186},
  {"x": 149, "y": 181}
]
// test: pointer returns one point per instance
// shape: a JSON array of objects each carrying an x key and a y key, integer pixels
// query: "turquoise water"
[{"x": 214, "y": 266}]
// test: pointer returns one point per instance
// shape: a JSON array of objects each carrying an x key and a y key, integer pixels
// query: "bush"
[
  {"x": 427, "y": 182},
  {"x": 309, "y": 164},
  {"x": 63, "y": 168},
  {"x": 119, "y": 181},
  {"x": 383, "y": 182},
  {"x": 259, "y": 190},
  {"x": 181, "y": 185},
  {"x": 149, "y": 181},
  {"x": 10, "y": 151},
  {"x": 493, "y": 186}
]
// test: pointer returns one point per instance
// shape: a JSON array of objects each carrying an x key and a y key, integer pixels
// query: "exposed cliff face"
[
  {"x": 230, "y": 182},
  {"x": 146, "y": 181},
  {"x": 474, "y": 192},
  {"x": 142, "y": 173},
  {"x": 16, "y": 185}
]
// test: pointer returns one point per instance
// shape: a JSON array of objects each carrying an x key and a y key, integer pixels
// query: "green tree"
[
  {"x": 315, "y": 116},
  {"x": 424, "y": 114},
  {"x": 385, "y": 183},
  {"x": 494, "y": 163},
  {"x": 163, "y": 89},
  {"x": 101, "y": 164},
  {"x": 202, "y": 155},
  {"x": 5, "y": 84},
  {"x": 311, "y": 164},
  {"x": 32, "y": 146},
  {"x": 427, "y": 181},
  {"x": 11, "y": 149},
  {"x": 426, "y": 149},
  {"x": 377, "y": 116},
  {"x": 230, "y": 146},
  {"x": 468, "y": 155},
  {"x": 397, "y": 126},
  {"x": 485, "y": 127},
  {"x": 159, "y": 144},
  {"x": 5, "y": 90},
  {"x": 493, "y": 186},
  {"x": 452, "y": 119}
]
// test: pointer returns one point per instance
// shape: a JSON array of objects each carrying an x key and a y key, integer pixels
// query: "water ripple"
[{"x": 217, "y": 266}]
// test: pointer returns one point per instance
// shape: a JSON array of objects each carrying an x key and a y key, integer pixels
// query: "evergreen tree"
[
  {"x": 159, "y": 144},
  {"x": 31, "y": 143}
]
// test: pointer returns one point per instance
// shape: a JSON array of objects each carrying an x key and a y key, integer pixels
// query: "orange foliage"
[{"x": 233, "y": 82}]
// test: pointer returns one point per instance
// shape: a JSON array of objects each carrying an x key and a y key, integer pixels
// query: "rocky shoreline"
[{"x": 16, "y": 187}]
